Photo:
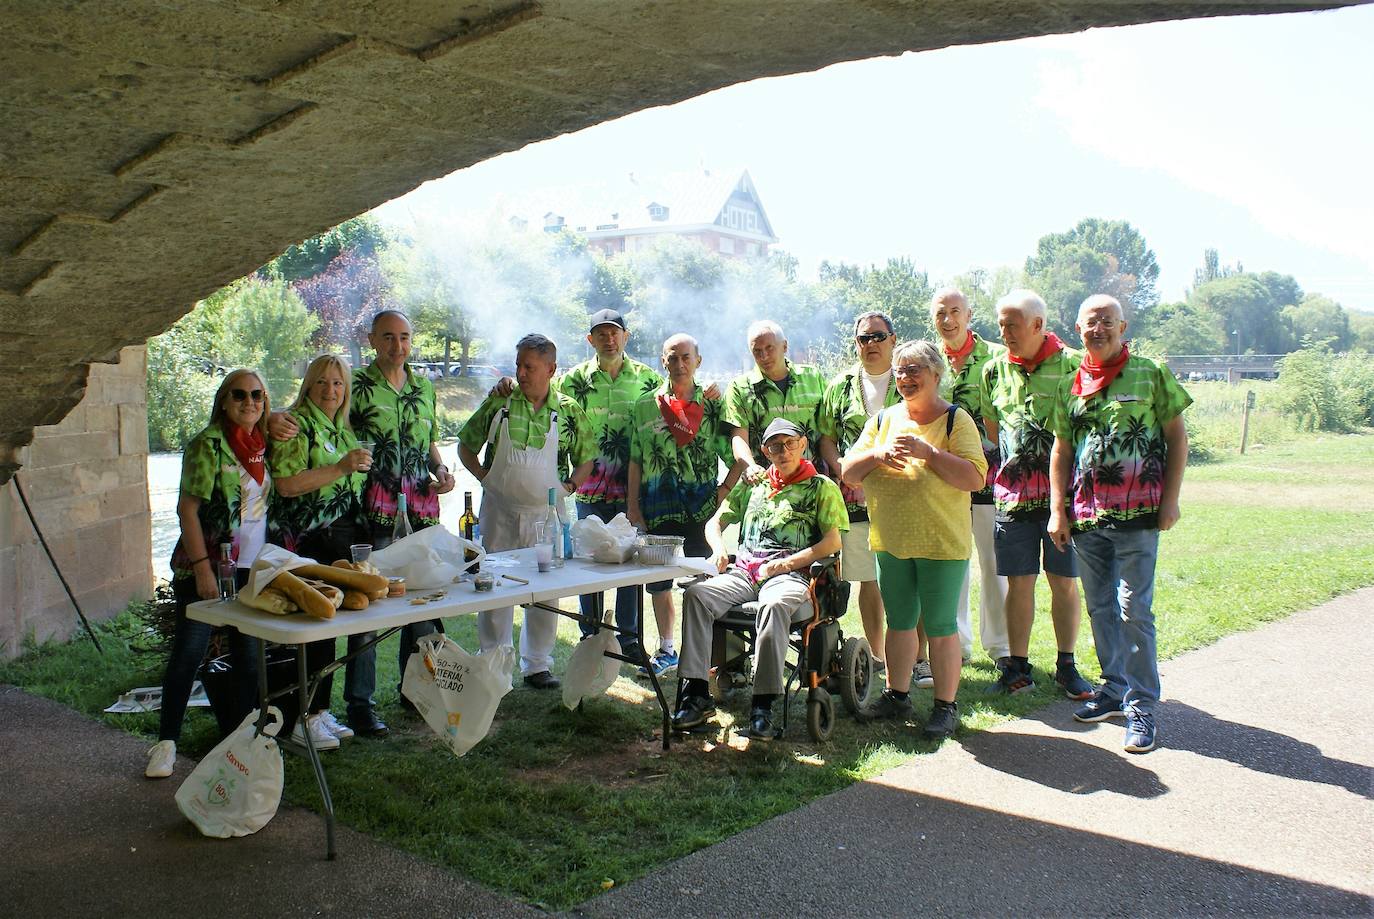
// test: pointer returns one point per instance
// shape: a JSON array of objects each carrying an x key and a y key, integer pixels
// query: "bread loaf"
[
  {"x": 355, "y": 599},
  {"x": 343, "y": 577},
  {"x": 310, "y": 600},
  {"x": 272, "y": 600}
]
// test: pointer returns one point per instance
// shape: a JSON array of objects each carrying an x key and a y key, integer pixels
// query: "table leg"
[
  {"x": 303, "y": 673},
  {"x": 263, "y": 699},
  {"x": 653, "y": 677}
]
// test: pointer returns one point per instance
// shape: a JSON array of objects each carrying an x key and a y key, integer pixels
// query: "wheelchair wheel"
[
  {"x": 820, "y": 715},
  {"x": 856, "y": 674}
]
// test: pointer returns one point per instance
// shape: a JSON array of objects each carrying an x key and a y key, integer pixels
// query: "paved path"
[{"x": 1258, "y": 803}]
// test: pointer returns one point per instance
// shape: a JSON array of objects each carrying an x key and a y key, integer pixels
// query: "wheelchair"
[{"x": 822, "y": 660}]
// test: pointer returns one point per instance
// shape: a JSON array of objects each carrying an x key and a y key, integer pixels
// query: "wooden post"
[{"x": 1245, "y": 418}]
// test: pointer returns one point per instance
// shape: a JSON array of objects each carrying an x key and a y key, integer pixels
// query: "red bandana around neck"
[
  {"x": 805, "y": 471},
  {"x": 1048, "y": 348},
  {"x": 248, "y": 447},
  {"x": 1093, "y": 378},
  {"x": 683, "y": 418},
  {"x": 964, "y": 350}
]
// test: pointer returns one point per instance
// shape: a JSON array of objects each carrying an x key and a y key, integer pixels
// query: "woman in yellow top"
[{"x": 918, "y": 462}]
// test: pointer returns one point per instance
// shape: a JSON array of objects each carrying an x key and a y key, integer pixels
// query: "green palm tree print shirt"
[
  {"x": 842, "y": 417},
  {"x": 210, "y": 472},
  {"x": 1119, "y": 452},
  {"x": 530, "y": 429},
  {"x": 678, "y": 484},
  {"x": 609, "y": 407},
  {"x": 961, "y": 388},
  {"x": 1021, "y": 405},
  {"x": 319, "y": 442},
  {"x": 402, "y": 425},
  {"x": 752, "y": 401},
  {"x": 794, "y": 519}
]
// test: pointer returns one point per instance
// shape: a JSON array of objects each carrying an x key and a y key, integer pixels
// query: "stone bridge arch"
[{"x": 152, "y": 151}]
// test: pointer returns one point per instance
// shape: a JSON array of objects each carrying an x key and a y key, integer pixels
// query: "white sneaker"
[
  {"x": 334, "y": 726},
  {"x": 922, "y": 676},
  {"x": 162, "y": 759},
  {"x": 319, "y": 734}
]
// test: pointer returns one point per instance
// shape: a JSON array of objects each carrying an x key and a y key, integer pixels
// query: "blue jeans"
[
  {"x": 189, "y": 643},
  {"x": 626, "y": 598},
  {"x": 1118, "y": 572}
]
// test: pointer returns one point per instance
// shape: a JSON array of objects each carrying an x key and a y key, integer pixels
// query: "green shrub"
[
  {"x": 1307, "y": 391},
  {"x": 450, "y": 422},
  {"x": 1354, "y": 380}
]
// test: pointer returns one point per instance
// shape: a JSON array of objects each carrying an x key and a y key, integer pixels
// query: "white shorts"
[{"x": 856, "y": 558}]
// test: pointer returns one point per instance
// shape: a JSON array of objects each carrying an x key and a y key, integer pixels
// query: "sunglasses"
[
  {"x": 909, "y": 371},
  {"x": 242, "y": 395},
  {"x": 871, "y": 336}
]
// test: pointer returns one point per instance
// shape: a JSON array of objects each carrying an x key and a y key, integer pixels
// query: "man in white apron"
[{"x": 532, "y": 436}]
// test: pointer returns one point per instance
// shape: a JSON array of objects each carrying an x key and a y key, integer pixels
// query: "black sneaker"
[
  {"x": 1012, "y": 680},
  {"x": 1140, "y": 732},
  {"x": 887, "y": 707},
  {"x": 1072, "y": 682},
  {"x": 944, "y": 721},
  {"x": 1100, "y": 707},
  {"x": 761, "y": 725},
  {"x": 693, "y": 713},
  {"x": 365, "y": 723}
]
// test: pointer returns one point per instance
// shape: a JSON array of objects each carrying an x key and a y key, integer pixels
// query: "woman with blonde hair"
[
  {"x": 319, "y": 475},
  {"x": 918, "y": 461},
  {"x": 224, "y": 489}
]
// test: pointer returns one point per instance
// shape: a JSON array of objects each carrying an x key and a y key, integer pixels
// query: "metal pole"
[{"x": 65, "y": 586}]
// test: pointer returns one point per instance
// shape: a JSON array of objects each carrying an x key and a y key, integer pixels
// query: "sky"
[{"x": 1251, "y": 135}]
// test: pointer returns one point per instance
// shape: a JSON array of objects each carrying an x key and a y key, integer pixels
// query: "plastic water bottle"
[{"x": 553, "y": 529}]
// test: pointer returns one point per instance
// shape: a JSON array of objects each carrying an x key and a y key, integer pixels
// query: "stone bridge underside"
[{"x": 154, "y": 150}]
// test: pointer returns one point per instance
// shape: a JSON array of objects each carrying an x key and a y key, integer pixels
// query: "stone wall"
[{"x": 86, "y": 479}]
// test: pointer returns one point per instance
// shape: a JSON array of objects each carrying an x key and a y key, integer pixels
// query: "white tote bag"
[
  {"x": 235, "y": 790},
  {"x": 457, "y": 692},
  {"x": 590, "y": 672}
]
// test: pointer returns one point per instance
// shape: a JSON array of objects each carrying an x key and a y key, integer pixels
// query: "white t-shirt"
[
  {"x": 875, "y": 390},
  {"x": 252, "y": 532}
]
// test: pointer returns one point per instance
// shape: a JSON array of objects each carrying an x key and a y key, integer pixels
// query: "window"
[
  {"x": 658, "y": 212},
  {"x": 751, "y": 248},
  {"x": 727, "y": 245}
]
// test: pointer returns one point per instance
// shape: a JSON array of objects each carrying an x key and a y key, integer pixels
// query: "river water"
[{"x": 164, "y": 480}]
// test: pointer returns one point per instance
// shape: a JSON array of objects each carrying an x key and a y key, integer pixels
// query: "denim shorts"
[
  {"x": 1021, "y": 544},
  {"x": 694, "y": 546}
]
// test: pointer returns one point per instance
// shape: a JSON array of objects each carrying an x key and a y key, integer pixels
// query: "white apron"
[{"x": 515, "y": 492}]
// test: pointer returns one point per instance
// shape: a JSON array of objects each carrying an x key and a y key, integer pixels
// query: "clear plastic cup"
[
  {"x": 543, "y": 556},
  {"x": 360, "y": 552}
]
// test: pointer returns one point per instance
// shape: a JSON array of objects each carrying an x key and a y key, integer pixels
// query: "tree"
[
  {"x": 421, "y": 285},
  {"x": 1095, "y": 257},
  {"x": 265, "y": 325},
  {"x": 903, "y": 292},
  {"x": 983, "y": 289},
  {"x": 1247, "y": 312},
  {"x": 344, "y": 298},
  {"x": 1212, "y": 268},
  {"x": 1361, "y": 330},
  {"x": 361, "y": 235},
  {"x": 1183, "y": 328},
  {"x": 1320, "y": 321},
  {"x": 181, "y": 382}
]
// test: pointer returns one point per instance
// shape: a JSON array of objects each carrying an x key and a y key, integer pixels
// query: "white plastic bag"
[
  {"x": 610, "y": 543},
  {"x": 271, "y": 561},
  {"x": 235, "y": 790},
  {"x": 457, "y": 692},
  {"x": 429, "y": 559},
  {"x": 590, "y": 672}
]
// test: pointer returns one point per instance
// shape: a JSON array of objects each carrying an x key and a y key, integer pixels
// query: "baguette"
[
  {"x": 355, "y": 599},
  {"x": 310, "y": 600},
  {"x": 342, "y": 577},
  {"x": 272, "y": 600}
]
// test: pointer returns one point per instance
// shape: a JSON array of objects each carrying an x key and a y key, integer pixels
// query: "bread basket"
[{"x": 660, "y": 550}]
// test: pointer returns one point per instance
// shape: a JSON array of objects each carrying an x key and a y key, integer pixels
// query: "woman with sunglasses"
[
  {"x": 317, "y": 510},
  {"x": 918, "y": 462},
  {"x": 224, "y": 489}
]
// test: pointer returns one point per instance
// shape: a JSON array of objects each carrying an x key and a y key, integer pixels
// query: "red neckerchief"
[
  {"x": 805, "y": 471},
  {"x": 1048, "y": 347},
  {"x": 964, "y": 349},
  {"x": 248, "y": 446},
  {"x": 1093, "y": 377},
  {"x": 683, "y": 418}
]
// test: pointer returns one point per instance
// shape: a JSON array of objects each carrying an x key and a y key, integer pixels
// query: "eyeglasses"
[
  {"x": 779, "y": 447},
  {"x": 910, "y": 371},
  {"x": 241, "y": 395},
  {"x": 871, "y": 336}
]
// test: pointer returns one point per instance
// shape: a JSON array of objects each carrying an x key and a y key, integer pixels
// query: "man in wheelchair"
[{"x": 788, "y": 520}]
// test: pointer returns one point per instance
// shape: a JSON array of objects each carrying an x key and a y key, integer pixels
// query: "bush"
[
  {"x": 1201, "y": 448},
  {"x": 1307, "y": 391},
  {"x": 1354, "y": 380},
  {"x": 450, "y": 422},
  {"x": 179, "y": 388}
]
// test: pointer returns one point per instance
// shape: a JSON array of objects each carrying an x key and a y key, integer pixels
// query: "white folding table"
[{"x": 385, "y": 617}]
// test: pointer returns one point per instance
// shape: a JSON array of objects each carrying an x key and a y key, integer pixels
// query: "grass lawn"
[{"x": 553, "y": 803}]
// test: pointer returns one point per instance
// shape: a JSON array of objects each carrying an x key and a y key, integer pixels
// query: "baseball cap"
[
  {"x": 780, "y": 426},
  {"x": 601, "y": 317}
]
